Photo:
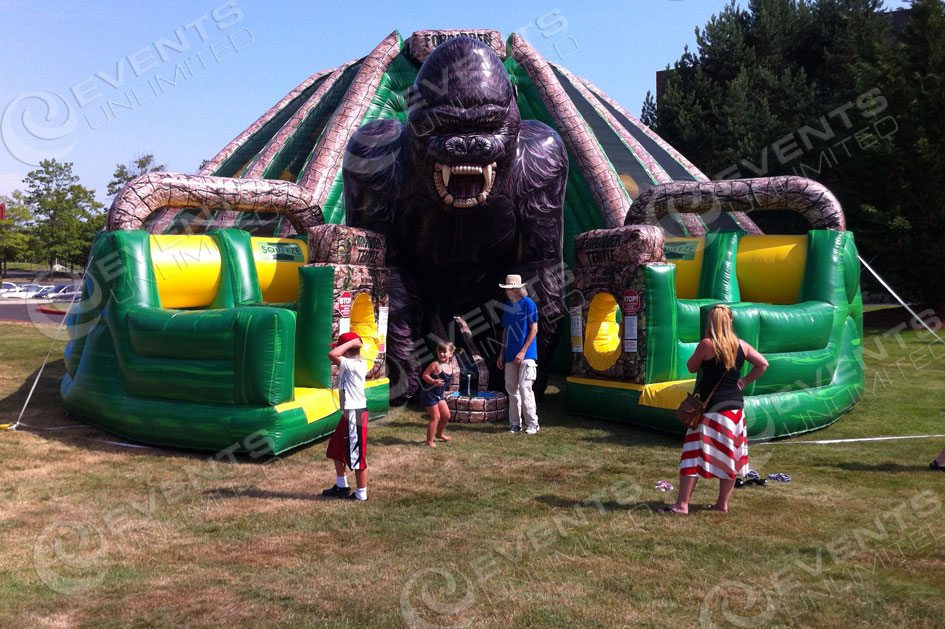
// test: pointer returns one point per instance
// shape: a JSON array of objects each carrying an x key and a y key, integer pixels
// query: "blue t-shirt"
[{"x": 516, "y": 319}]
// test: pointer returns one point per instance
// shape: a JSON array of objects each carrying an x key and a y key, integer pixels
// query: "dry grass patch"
[{"x": 491, "y": 529}]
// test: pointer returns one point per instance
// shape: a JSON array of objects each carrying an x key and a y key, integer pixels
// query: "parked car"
[
  {"x": 7, "y": 286},
  {"x": 53, "y": 292},
  {"x": 27, "y": 291},
  {"x": 12, "y": 292},
  {"x": 72, "y": 293}
]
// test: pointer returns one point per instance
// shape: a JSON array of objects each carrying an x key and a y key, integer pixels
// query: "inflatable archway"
[{"x": 796, "y": 298}]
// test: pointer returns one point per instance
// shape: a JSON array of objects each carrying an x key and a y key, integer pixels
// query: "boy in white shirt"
[{"x": 347, "y": 444}]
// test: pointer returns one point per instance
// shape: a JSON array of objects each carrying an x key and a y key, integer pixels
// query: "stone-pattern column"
[
  {"x": 805, "y": 196},
  {"x": 262, "y": 161},
  {"x": 652, "y": 166},
  {"x": 210, "y": 167},
  {"x": 611, "y": 261},
  {"x": 692, "y": 224},
  {"x": 679, "y": 157},
  {"x": 153, "y": 191},
  {"x": 605, "y": 187},
  {"x": 357, "y": 260},
  {"x": 319, "y": 174},
  {"x": 695, "y": 227}
]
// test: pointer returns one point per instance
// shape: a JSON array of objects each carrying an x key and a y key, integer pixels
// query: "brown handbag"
[{"x": 691, "y": 409}]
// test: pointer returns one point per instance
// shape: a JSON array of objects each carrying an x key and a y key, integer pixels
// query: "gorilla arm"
[
  {"x": 540, "y": 192},
  {"x": 372, "y": 172}
]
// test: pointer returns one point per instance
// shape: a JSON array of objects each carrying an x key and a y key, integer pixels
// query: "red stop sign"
[
  {"x": 344, "y": 304},
  {"x": 631, "y": 302}
]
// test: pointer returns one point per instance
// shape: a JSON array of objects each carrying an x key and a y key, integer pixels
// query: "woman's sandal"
[{"x": 670, "y": 510}]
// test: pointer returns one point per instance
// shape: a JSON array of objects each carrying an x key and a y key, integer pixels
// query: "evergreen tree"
[
  {"x": 861, "y": 109},
  {"x": 904, "y": 220}
]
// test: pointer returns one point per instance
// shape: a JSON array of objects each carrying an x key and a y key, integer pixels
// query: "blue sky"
[{"x": 101, "y": 85}]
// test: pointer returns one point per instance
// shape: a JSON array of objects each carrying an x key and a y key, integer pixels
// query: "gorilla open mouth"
[{"x": 463, "y": 185}]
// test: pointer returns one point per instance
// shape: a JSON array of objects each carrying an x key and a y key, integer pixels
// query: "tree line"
[
  {"x": 54, "y": 218},
  {"x": 839, "y": 91}
]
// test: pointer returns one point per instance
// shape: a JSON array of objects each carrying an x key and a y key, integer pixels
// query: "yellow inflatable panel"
[
  {"x": 666, "y": 394},
  {"x": 363, "y": 324},
  {"x": 770, "y": 268},
  {"x": 602, "y": 334},
  {"x": 277, "y": 267},
  {"x": 187, "y": 269},
  {"x": 686, "y": 254},
  {"x": 610, "y": 384},
  {"x": 319, "y": 403},
  {"x": 659, "y": 394}
]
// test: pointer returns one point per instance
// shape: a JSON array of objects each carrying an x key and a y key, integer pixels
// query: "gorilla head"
[{"x": 463, "y": 124}]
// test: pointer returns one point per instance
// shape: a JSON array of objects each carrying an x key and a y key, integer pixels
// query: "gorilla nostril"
[
  {"x": 482, "y": 145},
  {"x": 456, "y": 146}
]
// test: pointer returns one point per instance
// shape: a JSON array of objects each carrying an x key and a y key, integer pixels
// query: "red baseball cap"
[{"x": 344, "y": 338}]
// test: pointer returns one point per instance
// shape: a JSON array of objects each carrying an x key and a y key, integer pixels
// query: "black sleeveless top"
[
  {"x": 430, "y": 394},
  {"x": 728, "y": 396}
]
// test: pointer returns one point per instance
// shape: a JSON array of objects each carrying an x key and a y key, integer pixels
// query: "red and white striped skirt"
[{"x": 717, "y": 448}]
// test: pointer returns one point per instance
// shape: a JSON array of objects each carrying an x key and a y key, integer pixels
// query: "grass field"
[{"x": 492, "y": 529}]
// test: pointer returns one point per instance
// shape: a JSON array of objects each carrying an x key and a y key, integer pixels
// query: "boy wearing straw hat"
[{"x": 519, "y": 355}]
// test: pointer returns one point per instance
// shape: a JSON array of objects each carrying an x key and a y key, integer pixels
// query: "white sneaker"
[{"x": 531, "y": 430}]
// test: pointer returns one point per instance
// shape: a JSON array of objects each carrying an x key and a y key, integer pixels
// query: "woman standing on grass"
[{"x": 717, "y": 447}]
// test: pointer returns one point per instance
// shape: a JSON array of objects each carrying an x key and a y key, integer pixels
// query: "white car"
[
  {"x": 71, "y": 293},
  {"x": 60, "y": 292},
  {"x": 26, "y": 291},
  {"x": 7, "y": 287}
]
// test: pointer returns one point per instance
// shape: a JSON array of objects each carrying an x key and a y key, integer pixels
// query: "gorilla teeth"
[
  {"x": 441, "y": 179},
  {"x": 465, "y": 169}
]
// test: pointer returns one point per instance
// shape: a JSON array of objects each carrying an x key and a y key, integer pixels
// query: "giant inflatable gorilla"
[{"x": 465, "y": 193}]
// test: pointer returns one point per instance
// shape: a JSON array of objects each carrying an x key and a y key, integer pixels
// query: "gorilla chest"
[{"x": 430, "y": 236}]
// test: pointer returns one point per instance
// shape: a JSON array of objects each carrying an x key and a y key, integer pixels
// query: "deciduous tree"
[
  {"x": 62, "y": 211},
  {"x": 124, "y": 173}
]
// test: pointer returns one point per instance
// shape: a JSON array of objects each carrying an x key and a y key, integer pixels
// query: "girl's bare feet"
[
  {"x": 716, "y": 507},
  {"x": 431, "y": 444},
  {"x": 444, "y": 437}
]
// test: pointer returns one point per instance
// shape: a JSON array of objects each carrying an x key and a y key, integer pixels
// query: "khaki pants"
[{"x": 518, "y": 384}]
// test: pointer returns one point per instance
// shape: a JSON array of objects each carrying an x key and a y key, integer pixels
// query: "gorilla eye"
[{"x": 422, "y": 126}]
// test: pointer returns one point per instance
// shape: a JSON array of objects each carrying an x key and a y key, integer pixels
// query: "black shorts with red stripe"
[{"x": 347, "y": 443}]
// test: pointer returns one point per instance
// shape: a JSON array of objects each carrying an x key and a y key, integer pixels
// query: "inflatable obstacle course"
[
  {"x": 220, "y": 340},
  {"x": 210, "y": 301}
]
